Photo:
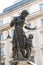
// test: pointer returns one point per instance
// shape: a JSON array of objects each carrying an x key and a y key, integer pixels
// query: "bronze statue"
[{"x": 19, "y": 38}]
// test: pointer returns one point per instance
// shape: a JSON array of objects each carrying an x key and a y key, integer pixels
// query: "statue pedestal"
[
  {"x": 22, "y": 63},
  {"x": 19, "y": 63}
]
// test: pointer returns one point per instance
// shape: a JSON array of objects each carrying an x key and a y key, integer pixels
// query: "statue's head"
[
  {"x": 30, "y": 36},
  {"x": 24, "y": 13}
]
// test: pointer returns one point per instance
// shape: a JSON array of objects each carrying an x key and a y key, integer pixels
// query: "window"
[
  {"x": 2, "y": 52},
  {"x": 41, "y": 6},
  {"x": 1, "y": 37},
  {"x": 1, "y": 23},
  {"x": 41, "y": 21}
]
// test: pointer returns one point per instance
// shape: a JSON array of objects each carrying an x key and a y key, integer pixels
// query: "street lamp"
[
  {"x": 8, "y": 41},
  {"x": 8, "y": 37}
]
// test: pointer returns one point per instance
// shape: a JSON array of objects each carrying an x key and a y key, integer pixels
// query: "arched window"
[
  {"x": 1, "y": 37},
  {"x": 1, "y": 23},
  {"x": 41, "y": 6},
  {"x": 42, "y": 22}
]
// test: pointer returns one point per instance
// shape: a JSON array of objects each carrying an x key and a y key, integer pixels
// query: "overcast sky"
[{"x": 6, "y": 3}]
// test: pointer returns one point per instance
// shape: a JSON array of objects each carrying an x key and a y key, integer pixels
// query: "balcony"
[
  {"x": 35, "y": 15},
  {"x": 2, "y": 58},
  {"x": 4, "y": 27}
]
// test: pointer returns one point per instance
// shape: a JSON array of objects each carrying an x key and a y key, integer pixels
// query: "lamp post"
[
  {"x": 8, "y": 37},
  {"x": 7, "y": 41}
]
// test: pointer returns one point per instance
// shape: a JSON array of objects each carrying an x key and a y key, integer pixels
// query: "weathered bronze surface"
[{"x": 20, "y": 41}]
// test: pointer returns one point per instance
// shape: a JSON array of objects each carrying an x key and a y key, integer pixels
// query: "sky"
[{"x": 6, "y": 3}]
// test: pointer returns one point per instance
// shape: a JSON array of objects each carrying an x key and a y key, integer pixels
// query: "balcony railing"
[
  {"x": 35, "y": 15},
  {"x": 2, "y": 58}
]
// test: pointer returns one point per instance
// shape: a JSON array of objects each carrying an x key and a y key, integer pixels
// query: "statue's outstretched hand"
[{"x": 27, "y": 27}]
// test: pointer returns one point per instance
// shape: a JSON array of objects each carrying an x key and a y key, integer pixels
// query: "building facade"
[{"x": 35, "y": 18}]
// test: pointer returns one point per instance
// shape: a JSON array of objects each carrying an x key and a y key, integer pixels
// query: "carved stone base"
[{"x": 21, "y": 63}]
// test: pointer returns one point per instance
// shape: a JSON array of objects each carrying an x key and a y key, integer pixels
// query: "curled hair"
[{"x": 24, "y": 12}]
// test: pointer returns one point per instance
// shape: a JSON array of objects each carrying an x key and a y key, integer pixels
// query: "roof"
[{"x": 15, "y": 6}]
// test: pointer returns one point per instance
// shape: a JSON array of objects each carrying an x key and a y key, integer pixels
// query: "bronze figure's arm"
[
  {"x": 30, "y": 28},
  {"x": 13, "y": 21}
]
